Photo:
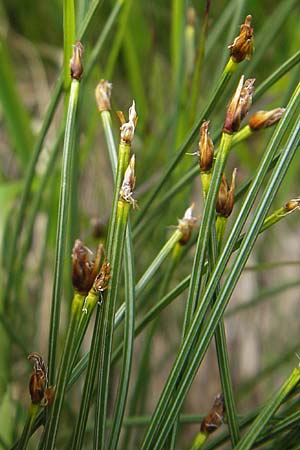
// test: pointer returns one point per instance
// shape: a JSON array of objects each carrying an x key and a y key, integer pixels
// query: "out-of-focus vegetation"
[{"x": 169, "y": 57}]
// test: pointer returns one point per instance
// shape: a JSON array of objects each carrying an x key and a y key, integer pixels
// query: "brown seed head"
[
  {"x": 38, "y": 381},
  {"x": 225, "y": 200},
  {"x": 242, "y": 46},
  {"x": 239, "y": 105},
  {"x": 102, "y": 94},
  {"x": 215, "y": 417},
  {"x": 126, "y": 191},
  {"x": 76, "y": 61},
  {"x": 49, "y": 396},
  {"x": 128, "y": 128},
  {"x": 102, "y": 279},
  {"x": 206, "y": 148},
  {"x": 84, "y": 270},
  {"x": 186, "y": 225},
  {"x": 265, "y": 119},
  {"x": 292, "y": 205}
]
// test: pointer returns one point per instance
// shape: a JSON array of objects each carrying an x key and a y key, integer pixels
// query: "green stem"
[
  {"x": 128, "y": 340},
  {"x": 114, "y": 257},
  {"x": 220, "y": 229},
  {"x": 268, "y": 411},
  {"x": 82, "y": 418},
  {"x": 199, "y": 441},
  {"x": 205, "y": 227},
  {"x": 63, "y": 374},
  {"x": 32, "y": 412},
  {"x": 222, "y": 355},
  {"x": 90, "y": 303},
  {"x": 64, "y": 200},
  {"x": 149, "y": 273},
  {"x": 129, "y": 300}
]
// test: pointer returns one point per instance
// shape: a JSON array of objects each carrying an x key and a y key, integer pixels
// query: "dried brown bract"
[
  {"x": 215, "y": 417},
  {"x": 76, "y": 61},
  {"x": 265, "y": 119},
  {"x": 102, "y": 279},
  {"x": 84, "y": 268},
  {"x": 239, "y": 105},
  {"x": 186, "y": 225},
  {"x": 39, "y": 392},
  {"x": 292, "y": 205},
  {"x": 206, "y": 148},
  {"x": 128, "y": 128},
  {"x": 126, "y": 191},
  {"x": 102, "y": 94},
  {"x": 242, "y": 46},
  {"x": 225, "y": 200}
]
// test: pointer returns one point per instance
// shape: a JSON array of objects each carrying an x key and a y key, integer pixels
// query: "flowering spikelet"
[
  {"x": 76, "y": 61},
  {"x": 242, "y": 46},
  {"x": 225, "y": 200},
  {"x": 84, "y": 268},
  {"x": 186, "y": 224},
  {"x": 265, "y": 119},
  {"x": 126, "y": 191},
  {"x": 102, "y": 94},
  {"x": 239, "y": 105},
  {"x": 128, "y": 128},
  {"x": 215, "y": 417}
]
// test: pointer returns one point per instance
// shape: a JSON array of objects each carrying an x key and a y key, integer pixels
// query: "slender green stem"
[
  {"x": 205, "y": 228},
  {"x": 107, "y": 126},
  {"x": 223, "y": 357},
  {"x": 90, "y": 303},
  {"x": 80, "y": 427},
  {"x": 120, "y": 404},
  {"x": 32, "y": 412},
  {"x": 64, "y": 370},
  {"x": 115, "y": 258},
  {"x": 199, "y": 441},
  {"x": 156, "y": 263},
  {"x": 129, "y": 301},
  {"x": 220, "y": 229},
  {"x": 178, "y": 20},
  {"x": 152, "y": 269},
  {"x": 64, "y": 200},
  {"x": 268, "y": 411}
]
